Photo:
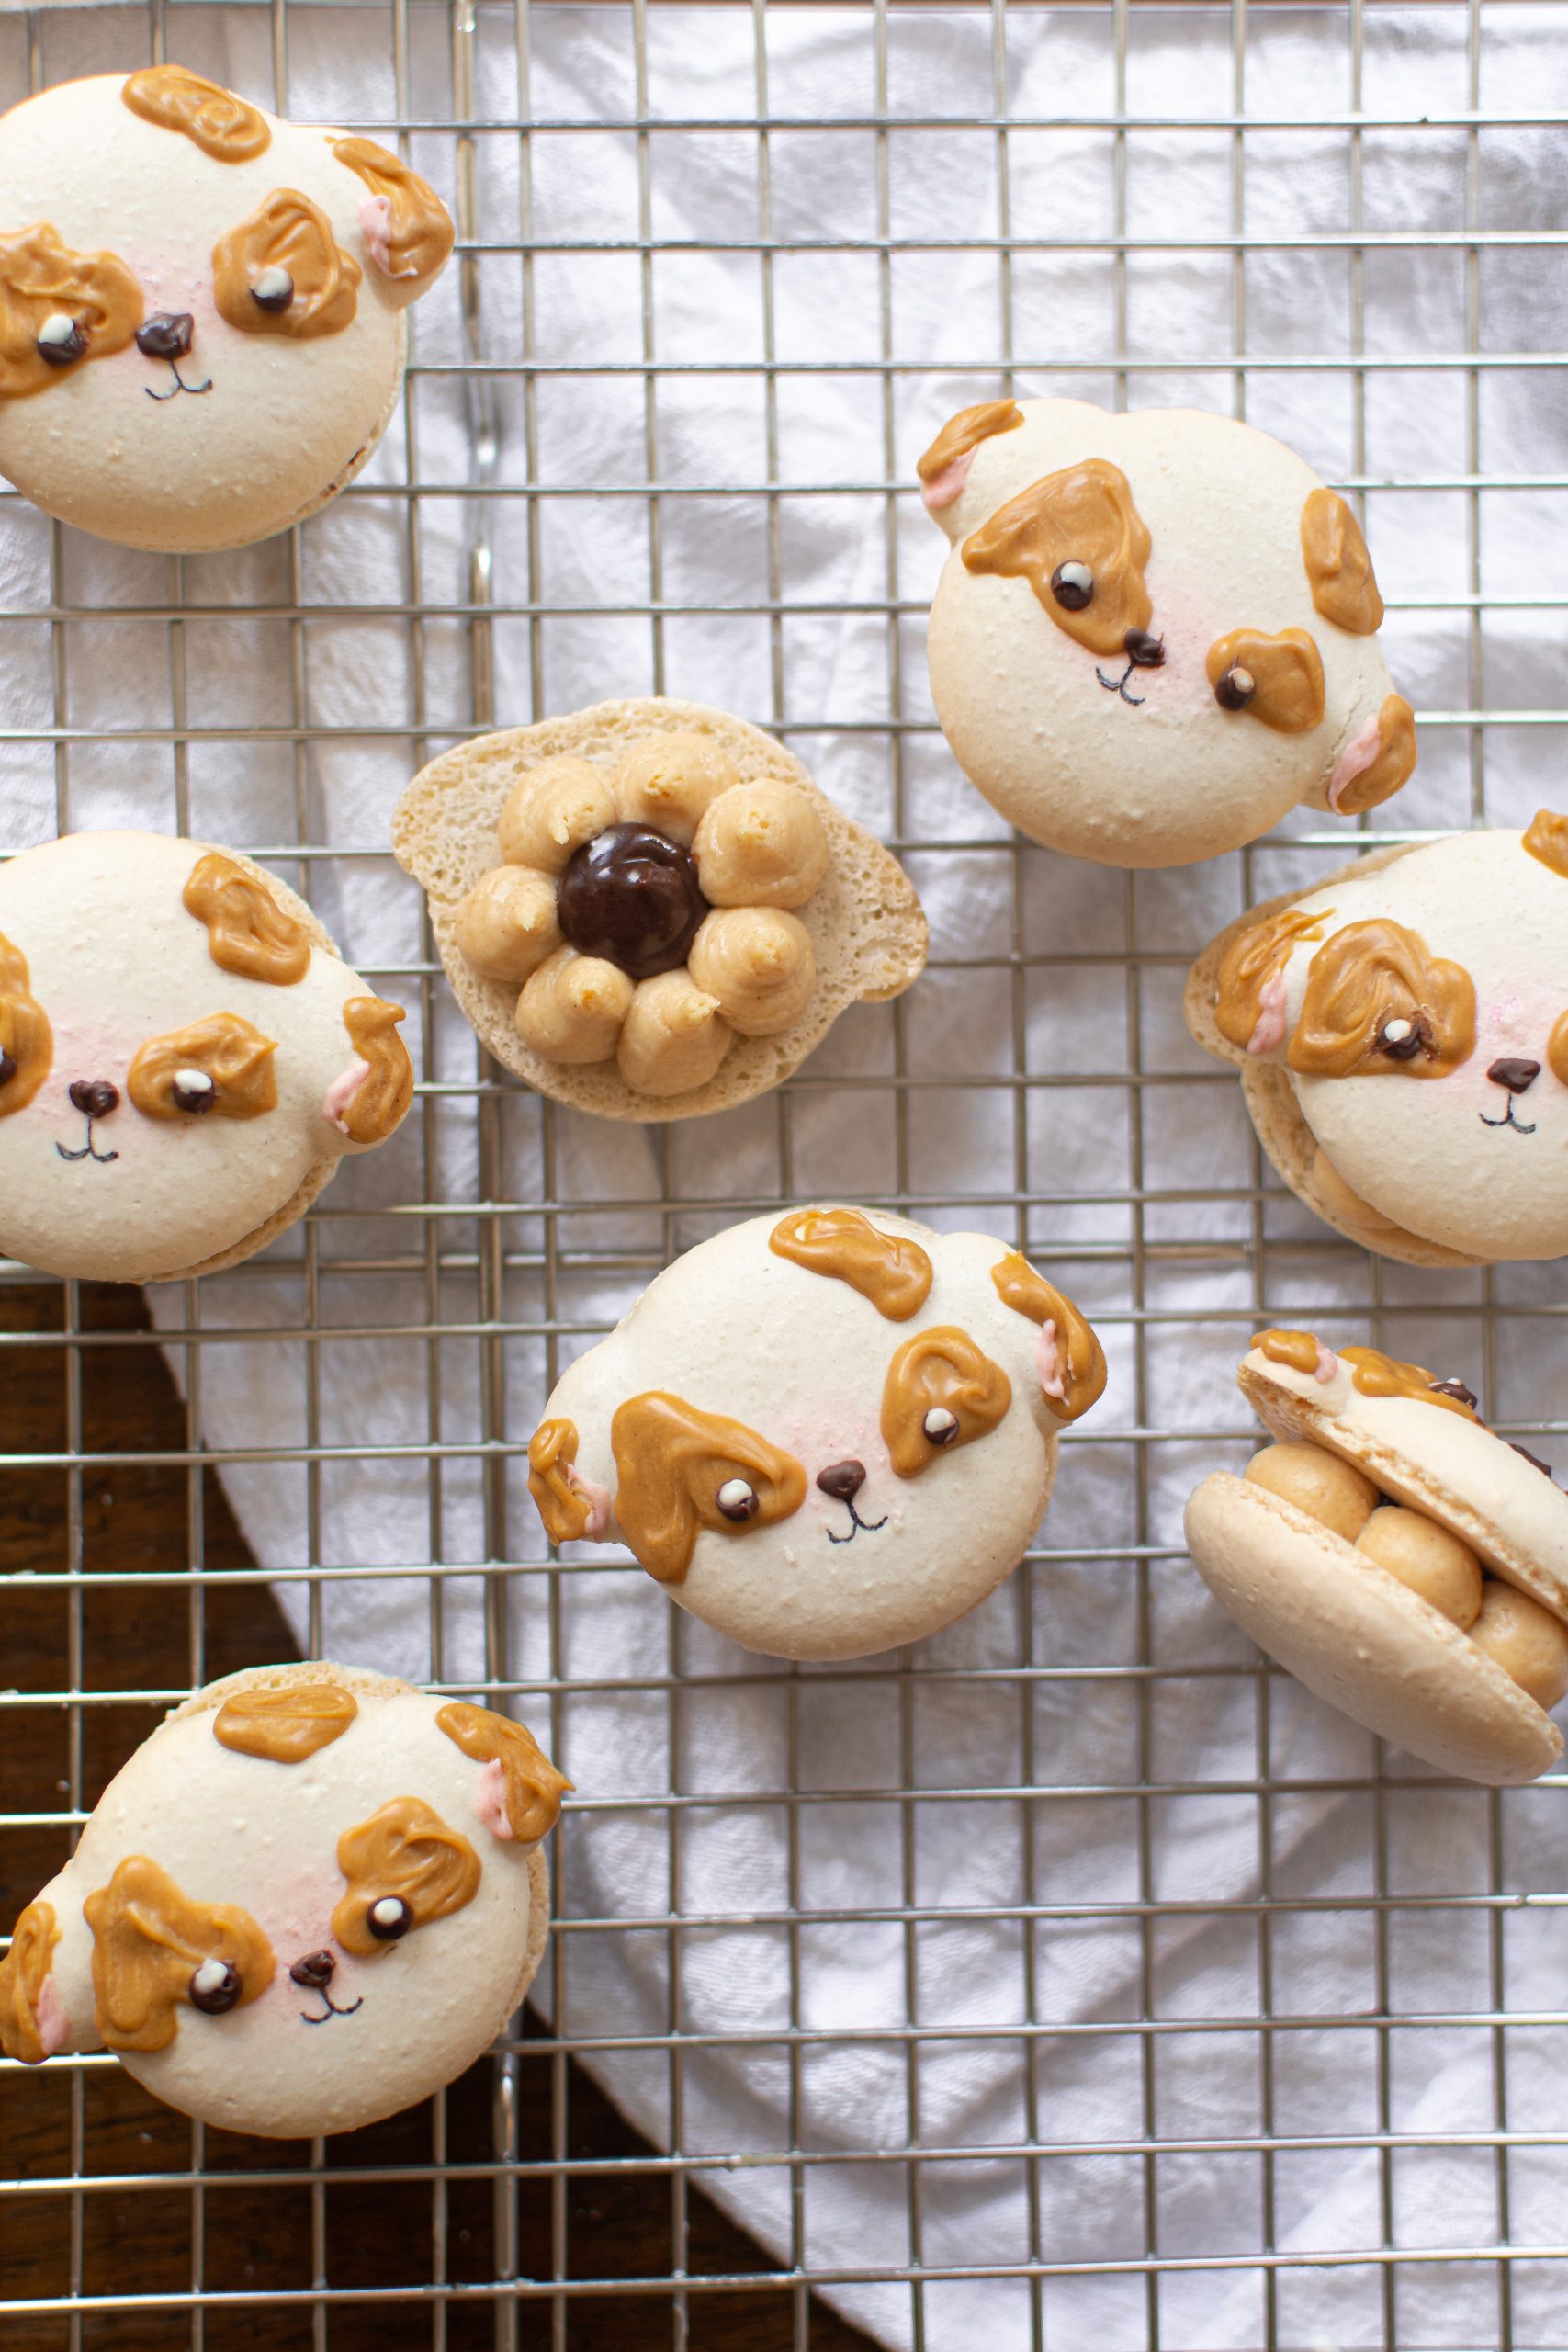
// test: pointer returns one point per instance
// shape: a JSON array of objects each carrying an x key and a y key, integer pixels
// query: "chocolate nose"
[
  {"x": 166, "y": 335},
  {"x": 315, "y": 1969},
  {"x": 1516, "y": 1076},
  {"x": 1145, "y": 652},
  {"x": 842, "y": 1480},
  {"x": 95, "y": 1096}
]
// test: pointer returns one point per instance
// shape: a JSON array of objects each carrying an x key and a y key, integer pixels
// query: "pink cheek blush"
[
  {"x": 489, "y": 1800},
  {"x": 1269, "y": 1030},
  {"x": 341, "y": 1093},
  {"x": 1048, "y": 1360},
  {"x": 597, "y": 1498},
  {"x": 52, "y": 2031},
  {"x": 376, "y": 226}
]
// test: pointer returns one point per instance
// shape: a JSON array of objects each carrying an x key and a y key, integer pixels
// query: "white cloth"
[{"x": 1021, "y": 2024}]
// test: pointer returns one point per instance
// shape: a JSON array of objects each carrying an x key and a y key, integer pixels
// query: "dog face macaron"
[
  {"x": 201, "y": 307},
  {"x": 312, "y": 1898},
  {"x": 179, "y": 1055},
  {"x": 825, "y": 1433},
  {"x": 1406, "y": 1563},
  {"x": 1156, "y": 633},
  {"x": 1413, "y": 1016}
]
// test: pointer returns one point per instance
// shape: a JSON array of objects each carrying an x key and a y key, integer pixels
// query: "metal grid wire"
[{"x": 1223, "y": 1225}]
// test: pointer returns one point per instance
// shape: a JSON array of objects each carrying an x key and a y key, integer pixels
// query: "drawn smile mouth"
[
  {"x": 1508, "y": 1120},
  {"x": 1118, "y": 685},
  {"x": 179, "y": 384},
  {"x": 332, "y": 2009},
  {"x": 859, "y": 1526},
  {"x": 89, "y": 1150}
]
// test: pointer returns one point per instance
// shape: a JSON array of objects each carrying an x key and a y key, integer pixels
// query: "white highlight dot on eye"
[
  {"x": 58, "y": 327},
  {"x": 737, "y": 1499},
  {"x": 210, "y": 1977},
  {"x": 940, "y": 1425},
  {"x": 1396, "y": 1032}
]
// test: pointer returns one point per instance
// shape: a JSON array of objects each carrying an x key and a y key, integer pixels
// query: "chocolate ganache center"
[{"x": 632, "y": 897}]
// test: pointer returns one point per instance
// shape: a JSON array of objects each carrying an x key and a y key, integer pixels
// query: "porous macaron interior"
[{"x": 1518, "y": 1632}]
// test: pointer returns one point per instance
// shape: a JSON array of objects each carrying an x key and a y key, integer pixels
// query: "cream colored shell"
[
  {"x": 239, "y": 1829},
  {"x": 1176, "y": 779},
  {"x": 286, "y": 425}
]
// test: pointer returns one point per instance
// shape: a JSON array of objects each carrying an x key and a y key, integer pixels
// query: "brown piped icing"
[
  {"x": 285, "y": 1725},
  {"x": 940, "y": 1370},
  {"x": 1366, "y": 975},
  {"x": 27, "y": 1041},
  {"x": 671, "y": 1458},
  {"x": 225, "y": 1047},
  {"x": 380, "y": 1099},
  {"x": 41, "y": 276},
  {"x": 564, "y": 1508},
  {"x": 404, "y": 1850},
  {"x": 22, "y": 1973},
  {"x": 247, "y": 931},
  {"x": 1546, "y": 839},
  {"x": 1376, "y": 1374},
  {"x": 149, "y": 1938},
  {"x": 965, "y": 432},
  {"x": 419, "y": 229},
  {"x": 285, "y": 232},
  {"x": 1288, "y": 692},
  {"x": 1557, "y": 1049},
  {"x": 534, "y": 1787},
  {"x": 1083, "y": 515},
  {"x": 1081, "y": 1359},
  {"x": 223, "y": 125},
  {"x": 1338, "y": 569},
  {"x": 1298, "y": 1351},
  {"x": 888, "y": 1269},
  {"x": 1253, "y": 959},
  {"x": 1393, "y": 765}
]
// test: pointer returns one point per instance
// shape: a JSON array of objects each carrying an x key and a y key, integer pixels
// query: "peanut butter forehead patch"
[
  {"x": 285, "y": 1725},
  {"x": 1083, "y": 518},
  {"x": 223, "y": 125},
  {"x": 843, "y": 1245}
]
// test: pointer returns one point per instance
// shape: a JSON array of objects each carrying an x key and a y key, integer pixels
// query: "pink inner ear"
[
  {"x": 1358, "y": 753},
  {"x": 945, "y": 487},
  {"x": 1048, "y": 1359},
  {"x": 489, "y": 1800},
  {"x": 597, "y": 1498},
  {"x": 1269, "y": 1030},
  {"x": 376, "y": 223},
  {"x": 52, "y": 2029},
  {"x": 342, "y": 1091}
]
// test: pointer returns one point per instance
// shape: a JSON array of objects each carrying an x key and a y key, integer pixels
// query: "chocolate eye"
[
  {"x": 1235, "y": 688},
  {"x": 1072, "y": 584},
  {"x": 60, "y": 340},
  {"x": 940, "y": 1425},
  {"x": 273, "y": 290},
  {"x": 1400, "y": 1040},
  {"x": 193, "y": 1091},
  {"x": 7, "y": 1068},
  {"x": 215, "y": 1987},
  {"x": 389, "y": 1918},
  {"x": 737, "y": 1500}
]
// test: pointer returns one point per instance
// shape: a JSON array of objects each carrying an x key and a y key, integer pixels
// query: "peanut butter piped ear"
[
  {"x": 534, "y": 1787},
  {"x": 1546, "y": 840},
  {"x": 22, "y": 1974},
  {"x": 381, "y": 1100},
  {"x": 412, "y": 232},
  {"x": 1076, "y": 1374},
  {"x": 1338, "y": 569},
  {"x": 27, "y": 1041}
]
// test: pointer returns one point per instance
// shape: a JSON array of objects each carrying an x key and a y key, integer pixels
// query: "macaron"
[
  {"x": 1396, "y": 1556},
  {"x": 1156, "y": 633},
  {"x": 1401, "y": 1034},
  {"x": 185, "y": 1058},
  {"x": 826, "y": 1432},
  {"x": 313, "y": 1896},
  {"x": 648, "y": 910},
  {"x": 202, "y": 330}
]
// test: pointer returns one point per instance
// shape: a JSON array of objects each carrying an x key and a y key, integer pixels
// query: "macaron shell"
[
  {"x": 1362, "y": 1641},
  {"x": 1455, "y": 1469},
  {"x": 1176, "y": 779},
  {"x": 286, "y": 423}
]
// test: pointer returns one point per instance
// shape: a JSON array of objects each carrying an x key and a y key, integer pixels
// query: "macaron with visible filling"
[{"x": 1396, "y": 1556}]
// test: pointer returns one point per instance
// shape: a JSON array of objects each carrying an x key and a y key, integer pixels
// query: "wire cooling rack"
[{"x": 1281, "y": 2030}]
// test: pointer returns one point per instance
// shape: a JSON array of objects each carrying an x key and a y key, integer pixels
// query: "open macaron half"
[{"x": 1396, "y": 1556}]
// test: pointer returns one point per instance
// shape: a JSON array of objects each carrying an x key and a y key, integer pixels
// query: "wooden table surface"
[{"x": 257, "y": 2238}]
